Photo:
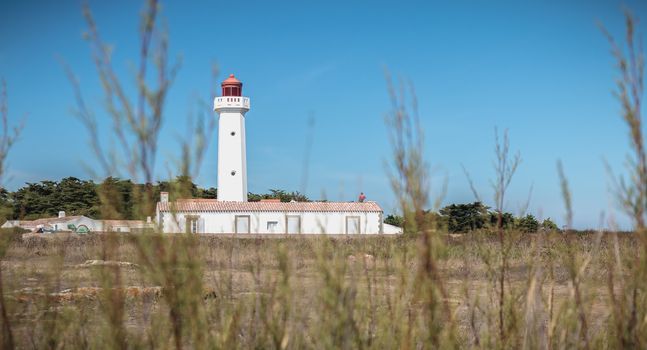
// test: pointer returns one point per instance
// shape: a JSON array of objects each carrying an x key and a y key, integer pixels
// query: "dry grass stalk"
[
  {"x": 8, "y": 137},
  {"x": 410, "y": 183},
  {"x": 505, "y": 167}
]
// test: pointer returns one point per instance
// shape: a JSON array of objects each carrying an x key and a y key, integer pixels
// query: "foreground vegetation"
[{"x": 318, "y": 292}]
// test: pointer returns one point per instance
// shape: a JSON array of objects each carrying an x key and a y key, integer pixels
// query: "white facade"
[
  {"x": 232, "y": 153},
  {"x": 270, "y": 217},
  {"x": 123, "y": 225},
  {"x": 274, "y": 222},
  {"x": 392, "y": 229}
]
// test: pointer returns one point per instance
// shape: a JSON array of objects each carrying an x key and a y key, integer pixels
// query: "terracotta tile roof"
[
  {"x": 211, "y": 205},
  {"x": 24, "y": 224},
  {"x": 56, "y": 220},
  {"x": 32, "y": 224}
]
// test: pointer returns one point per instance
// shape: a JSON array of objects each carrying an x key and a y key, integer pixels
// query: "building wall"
[
  {"x": 115, "y": 228},
  {"x": 91, "y": 224},
  {"x": 311, "y": 222}
]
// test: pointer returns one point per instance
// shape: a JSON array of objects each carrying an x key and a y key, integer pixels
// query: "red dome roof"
[
  {"x": 232, "y": 86},
  {"x": 231, "y": 81}
]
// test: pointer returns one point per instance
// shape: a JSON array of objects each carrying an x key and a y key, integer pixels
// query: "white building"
[
  {"x": 61, "y": 223},
  {"x": 270, "y": 217},
  {"x": 232, "y": 213},
  {"x": 78, "y": 224}
]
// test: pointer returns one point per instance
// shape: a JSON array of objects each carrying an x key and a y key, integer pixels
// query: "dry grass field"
[{"x": 314, "y": 292}]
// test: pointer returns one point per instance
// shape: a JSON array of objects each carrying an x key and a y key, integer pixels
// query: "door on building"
[
  {"x": 242, "y": 224},
  {"x": 352, "y": 225},
  {"x": 293, "y": 224}
]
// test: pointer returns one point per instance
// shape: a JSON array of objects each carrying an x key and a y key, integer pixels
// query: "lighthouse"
[
  {"x": 231, "y": 213},
  {"x": 232, "y": 159}
]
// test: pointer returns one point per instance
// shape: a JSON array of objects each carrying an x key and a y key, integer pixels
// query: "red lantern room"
[{"x": 232, "y": 86}]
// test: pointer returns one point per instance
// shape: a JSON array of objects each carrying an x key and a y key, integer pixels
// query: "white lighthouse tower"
[{"x": 232, "y": 158}]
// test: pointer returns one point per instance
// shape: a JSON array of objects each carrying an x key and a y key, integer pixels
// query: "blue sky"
[{"x": 540, "y": 69}]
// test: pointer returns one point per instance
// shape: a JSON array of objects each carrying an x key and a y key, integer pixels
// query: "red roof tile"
[{"x": 212, "y": 205}]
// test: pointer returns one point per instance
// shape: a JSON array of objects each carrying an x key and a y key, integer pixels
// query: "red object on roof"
[
  {"x": 232, "y": 86},
  {"x": 212, "y": 205}
]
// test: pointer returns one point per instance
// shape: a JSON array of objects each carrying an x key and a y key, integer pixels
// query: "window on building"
[
  {"x": 293, "y": 224},
  {"x": 272, "y": 226},
  {"x": 242, "y": 224},
  {"x": 352, "y": 225},
  {"x": 192, "y": 224}
]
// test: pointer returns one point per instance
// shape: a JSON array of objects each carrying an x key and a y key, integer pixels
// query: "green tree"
[
  {"x": 34, "y": 200},
  {"x": 282, "y": 195},
  {"x": 507, "y": 219},
  {"x": 76, "y": 197},
  {"x": 527, "y": 224},
  {"x": 47, "y": 198},
  {"x": 464, "y": 217},
  {"x": 6, "y": 208},
  {"x": 208, "y": 193},
  {"x": 395, "y": 220},
  {"x": 116, "y": 198},
  {"x": 549, "y": 225}
]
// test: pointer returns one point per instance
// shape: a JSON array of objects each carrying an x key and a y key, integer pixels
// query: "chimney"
[
  {"x": 163, "y": 196},
  {"x": 61, "y": 214}
]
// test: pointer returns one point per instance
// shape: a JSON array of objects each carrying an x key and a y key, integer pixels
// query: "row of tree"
[
  {"x": 113, "y": 198},
  {"x": 116, "y": 198},
  {"x": 475, "y": 216}
]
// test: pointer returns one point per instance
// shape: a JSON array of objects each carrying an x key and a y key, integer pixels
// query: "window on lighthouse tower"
[{"x": 231, "y": 90}]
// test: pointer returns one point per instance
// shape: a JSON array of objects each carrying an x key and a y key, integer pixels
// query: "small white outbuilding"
[{"x": 78, "y": 224}]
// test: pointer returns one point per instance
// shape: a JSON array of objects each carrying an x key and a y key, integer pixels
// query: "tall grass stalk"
[
  {"x": 505, "y": 167},
  {"x": 8, "y": 137},
  {"x": 410, "y": 183},
  {"x": 629, "y": 311}
]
